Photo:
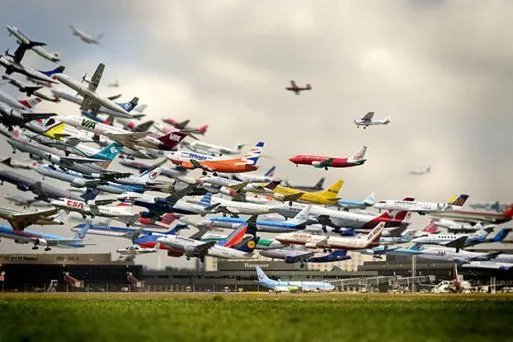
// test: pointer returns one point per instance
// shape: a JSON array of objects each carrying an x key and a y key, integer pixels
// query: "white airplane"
[
  {"x": 12, "y": 63},
  {"x": 29, "y": 89},
  {"x": 489, "y": 265},
  {"x": 85, "y": 37},
  {"x": 420, "y": 172},
  {"x": 367, "y": 120},
  {"x": 200, "y": 249},
  {"x": 19, "y": 220},
  {"x": 250, "y": 177},
  {"x": 454, "y": 255},
  {"x": 238, "y": 208},
  {"x": 234, "y": 185},
  {"x": 77, "y": 99},
  {"x": 422, "y": 207},
  {"x": 214, "y": 150},
  {"x": 136, "y": 250},
  {"x": 23, "y": 39},
  {"x": 451, "y": 225},
  {"x": 92, "y": 100},
  {"x": 94, "y": 208},
  {"x": 333, "y": 242}
]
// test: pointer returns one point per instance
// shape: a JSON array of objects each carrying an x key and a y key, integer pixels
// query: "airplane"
[
  {"x": 184, "y": 126},
  {"x": 19, "y": 220},
  {"x": 85, "y": 37},
  {"x": 291, "y": 286},
  {"x": 131, "y": 140},
  {"x": 328, "y": 196},
  {"x": 169, "y": 172},
  {"x": 190, "y": 160},
  {"x": 11, "y": 117},
  {"x": 23, "y": 39},
  {"x": 29, "y": 89},
  {"x": 12, "y": 64},
  {"x": 301, "y": 255},
  {"x": 43, "y": 239},
  {"x": 345, "y": 219},
  {"x": 43, "y": 191},
  {"x": 236, "y": 208},
  {"x": 297, "y": 223},
  {"x": 262, "y": 244},
  {"x": 333, "y": 242},
  {"x": 406, "y": 237},
  {"x": 489, "y": 265},
  {"x": 180, "y": 245},
  {"x": 136, "y": 250},
  {"x": 94, "y": 208},
  {"x": 422, "y": 207},
  {"x": 157, "y": 206},
  {"x": 15, "y": 164},
  {"x": 326, "y": 162},
  {"x": 465, "y": 227},
  {"x": 470, "y": 240},
  {"x": 297, "y": 90},
  {"x": 91, "y": 113},
  {"x": 347, "y": 204},
  {"x": 497, "y": 206},
  {"x": 21, "y": 104},
  {"x": 213, "y": 150},
  {"x": 113, "y": 84},
  {"x": 250, "y": 177},
  {"x": 235, "y": 185},
  {"x": 420, "y": 172},
  {"x": 92, "y": 100},
  {"x": 367, "y": 120},
  {"x": 477, "y": 216},
  {"x": 144, "y": 238},
  {"x": 317, "y": 187}
]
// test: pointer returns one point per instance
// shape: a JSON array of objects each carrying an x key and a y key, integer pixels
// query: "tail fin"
[
  {"x": 302, "y": 216},
  {"x": 7, "y": 161},
  {"x": 431, "y": 228},
  {"x": 55, "y": 131},
  {"x": 270, "y": 172},
  {"x": 320, "y": 183},
  {"x": 172, "y": 139},
  {"x": 252, "y": 156},
  {"x": 80, "y": 235},
  {"x": 272, "y": 185},
  {"x": 501, "y": 234},
  {"x": 140, "y": 108},
  {"x": 409, "y": 235},
  {"x": 333, "y": 190},
  {"x": 247, "y": 245},
  {"x": 50, "y": 73},
  {"x": 150, "y": 175},
  {"x": 142, "y": 127},
  {"x": 128, "y": 106},
  {"x": 234, "y": 237},
  {"x": 176, "y": 229},
  {"x": 90, "y": 194},
  {"x": 359, "y": 156},
  {"x": 261, "y": 274},
  {"x": 508, "y": 212},
  {"x": 460, "y": 201},
  {"x": 110, "y": 152},
  {"x": 29, "y": 102},
  {"x": 203, "y": 129},
  {"x": 206, "y": 200},
  {"x": 375, "y": 233},
  {"x": 370, "y": 200}
]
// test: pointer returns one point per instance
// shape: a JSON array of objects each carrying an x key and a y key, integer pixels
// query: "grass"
[{"x": 254, "y": 317}]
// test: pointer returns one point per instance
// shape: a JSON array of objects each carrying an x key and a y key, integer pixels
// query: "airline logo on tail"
[{"x": 252, "y": 156}]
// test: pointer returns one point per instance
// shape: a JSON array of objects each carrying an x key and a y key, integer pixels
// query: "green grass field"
[{"x": 254, "y": 317}]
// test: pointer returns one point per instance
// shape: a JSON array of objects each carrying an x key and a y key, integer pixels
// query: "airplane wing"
[
  {"x": 239, "y": 187},
  {"x": 202, "y": 249},
  {"x": 97, "y": 76},
  {"x": 458, "y": 243},
  {"x": 27, "y": 117},
  {"x": 325, "y": 163},
  {"x": 198, "y": 165},
  {"x": 89, "y": 104},
  {"x": 293, "y": 197},
  {"x": 297, "y": 256},
  {"x": 368, "y": 116},
  {"x": 80, "y": 160},
  {"x": 114, "y": 97},
  {"x": 21, "y": 220}
]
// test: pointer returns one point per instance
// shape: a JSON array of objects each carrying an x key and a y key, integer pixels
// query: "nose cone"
[{"x": 294, "y": 159}]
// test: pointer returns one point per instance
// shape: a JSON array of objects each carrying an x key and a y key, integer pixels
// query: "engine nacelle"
[
  {"x": 311, "y": 245},
  {"x": 53, "y": 158},
  {"x": 279, "y": 197},
  {"x": 316, "y": 164},
  {"x": 41, "y": 242},
  {"x": 147, "y": 214},
  {"x": 20, "y": 241},
  {"x": 78, "y": 182},
  {"x": 35, "y": 157},
  {"x": 22, "y": 187},
  {"x": 189, "y": 250}
]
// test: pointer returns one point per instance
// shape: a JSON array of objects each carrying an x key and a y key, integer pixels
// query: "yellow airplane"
[{"x": 328, "y": 196}]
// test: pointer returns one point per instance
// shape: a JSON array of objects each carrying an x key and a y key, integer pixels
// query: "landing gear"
[
  {"x": 84, "y": 216},
  {"x": 326, "y": 168},
  {"x": 214, "y": 174},
  {"x": 204, "y": 173},
  {"x": 47, "y": 249},
  {"x": 188, "y": 258},
  {"x": 364, "y": 127},
  {"x": 290, "y": 203},
  {"x": 35, "y": 248},
  {"x": 324, "y": 228}
]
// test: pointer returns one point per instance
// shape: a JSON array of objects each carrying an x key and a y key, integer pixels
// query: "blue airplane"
[
  {"x": 367, "y": 202},
  {"x": 172, "y": 204},
  {"x": 482, "y": 238},
  {"x": 291, "y": 286},
  {"x": 43, "y": 239},
  {"x": 297, "y": 223}
]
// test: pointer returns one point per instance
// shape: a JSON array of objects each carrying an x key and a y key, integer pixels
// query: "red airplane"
[
  {"x": 183, "y": 126},
  {"x": 325, "y": 162},
  {"x": 297, "y": 90}
]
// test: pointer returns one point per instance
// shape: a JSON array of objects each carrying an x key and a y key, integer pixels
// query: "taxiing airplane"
[
  {"x": 190, "y": 160},
  {"x": 23, "y": 39},
  {"x": 291, "y": 286},
  {"x": 85, "y": 37},
  {"x": 367, "y": 120},
  {"x": 296, "y": 89},
  {"x": 326, "y": 162}
]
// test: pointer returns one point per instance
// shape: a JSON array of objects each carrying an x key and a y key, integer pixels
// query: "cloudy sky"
[{"x": 443, "y": 70}]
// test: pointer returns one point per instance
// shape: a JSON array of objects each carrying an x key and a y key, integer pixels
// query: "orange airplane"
[{"x": 192, "y": 160}]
